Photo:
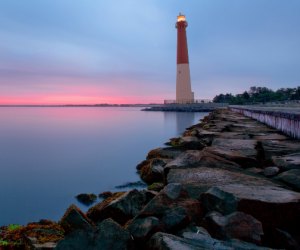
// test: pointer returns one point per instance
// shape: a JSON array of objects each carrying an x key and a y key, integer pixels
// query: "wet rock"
[
  {"x": 237, "y": 225},
  {"x": 195, "y": 158},
  {"x": 105, "y": 195},
  {"x": 75, "y": 219},
  {"x": 190, "y": 142},
  {"x": 86, "y": 199},
  {"x": 216, "y": 199},
  {"x": 287, "y": 162},
  {"x": 152, "y": 170},
  {"x": 142, "y": 229},
  {"x": 121, "y": 208},
  {"x": 167, "y": 153},
  {"x": 291, "y": 177},
  {"x": 108, "y": 235},
  {"x": 156, "y": 186},
  {"x": 271, "y": 171},
  {"x": 136, "y": 184}
]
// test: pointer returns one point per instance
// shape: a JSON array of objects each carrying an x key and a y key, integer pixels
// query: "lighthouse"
[{"x": 184, "y": 92}]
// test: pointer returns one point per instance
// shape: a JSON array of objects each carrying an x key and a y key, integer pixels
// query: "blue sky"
[{"x": 94, "y": 51}]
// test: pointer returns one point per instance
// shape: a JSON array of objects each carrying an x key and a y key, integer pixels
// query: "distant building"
[{"x": 184, "y": 92}]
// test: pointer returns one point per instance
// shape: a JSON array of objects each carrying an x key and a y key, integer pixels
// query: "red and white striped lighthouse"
[{"x": 184, "y": 92}]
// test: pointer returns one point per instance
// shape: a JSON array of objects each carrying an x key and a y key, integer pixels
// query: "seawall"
[{"x": 286, "y": 120}]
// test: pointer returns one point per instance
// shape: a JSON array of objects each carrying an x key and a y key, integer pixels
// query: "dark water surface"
[{"x": 48, "y": 155}]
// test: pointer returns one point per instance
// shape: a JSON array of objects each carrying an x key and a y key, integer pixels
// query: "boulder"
[
  {"x": 174, "y": 208},
  {"x": 216, "y": 199},
  {"x": 152, "y": 170},
  {"x": 142, "y": 229},
  {"x": 86, "y": 199},
  {"x": 271, "y": 171},
  {"x": 279, "y": 148},
  {"x": 164, "y": 153},
  {"x": 75, "y": 219},
  {"x": 209, "y": 177},
  {"x": 194, "y": 241},
  {"x": 234, "y": 156},
  {"x": 291, "y": 178},
  {"x": 237, "y": 225},
  {"x": 255, "y": 195},
  {"x": 105, "y": 195},
  {"x": 269, "y": 136},
  {"x": 196, "y": 158},
  {"x": 287, "y": 162},
  {"x": 122, "y": 207},
  {"x": 267, "y": 203},
  {"x": 108, "y": 235},
  {"x": 189, "y": 142},
  {"x": 246, "y": 148}
]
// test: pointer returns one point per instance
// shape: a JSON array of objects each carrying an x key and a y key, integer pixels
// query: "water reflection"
[{"x": 183, "y": 119}]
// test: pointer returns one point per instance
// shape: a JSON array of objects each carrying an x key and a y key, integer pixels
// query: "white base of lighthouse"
[{"x": 184, "y": 92}]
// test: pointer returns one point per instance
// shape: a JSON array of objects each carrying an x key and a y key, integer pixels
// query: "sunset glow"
[{"x": 57, "y": 52}]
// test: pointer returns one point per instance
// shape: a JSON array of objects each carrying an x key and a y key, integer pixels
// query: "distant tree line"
[{"x": 260, "y": 95}]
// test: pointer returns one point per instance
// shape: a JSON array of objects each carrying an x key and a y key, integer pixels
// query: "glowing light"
[{"x": 181, "y": 18}]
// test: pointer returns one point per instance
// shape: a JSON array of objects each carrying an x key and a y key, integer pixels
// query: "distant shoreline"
[{"x": 82, "y": 105}]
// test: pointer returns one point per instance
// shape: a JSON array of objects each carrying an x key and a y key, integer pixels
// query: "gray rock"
[
  {"x": 234, "y": 155},
  {"x": 279, "y": 148},
  {"x": 142, "y": 229},
  {"x": 175, "y": 213},
  {"x": 206, "y": 176},
  {"x": 196, "y": 158},
  {"x": 255, "y": 170},
  {"x": 167, "y": 153},
  {"x": 216, "y": 199},
  {"x": 271, "y": 171},
  {"x": 246, "y": 148},
  {"x": 75, "y": 219},
  {"x": 86, "y": 199},
  {"x": 287, "y": 162},
  {"x": 173, "y": 190},
  {"x": 108, "y": 235},
  {"x": 122, "y": 208},
  {"x": 152, "y": 170},
  {"x": 237, "y": 225},
  {"x": 291, "y": 177},
  {"x": 192, "y": 241},
  {"x": 175, "y": 219}
]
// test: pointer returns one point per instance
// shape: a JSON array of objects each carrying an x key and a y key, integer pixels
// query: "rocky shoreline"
[{"x": 228, "y": 182}]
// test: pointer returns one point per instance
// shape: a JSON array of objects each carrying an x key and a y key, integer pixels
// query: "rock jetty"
[{"x": 228, "y": 182}]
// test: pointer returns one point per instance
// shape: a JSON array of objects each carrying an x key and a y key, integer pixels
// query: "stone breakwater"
[{"x": 228, "y": 182}]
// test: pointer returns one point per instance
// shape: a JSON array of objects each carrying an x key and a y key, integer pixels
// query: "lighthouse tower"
[{"x": 184, "y": 92}]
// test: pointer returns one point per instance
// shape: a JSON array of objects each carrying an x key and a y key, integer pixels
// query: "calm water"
[{"x": 48, "y": 155}]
